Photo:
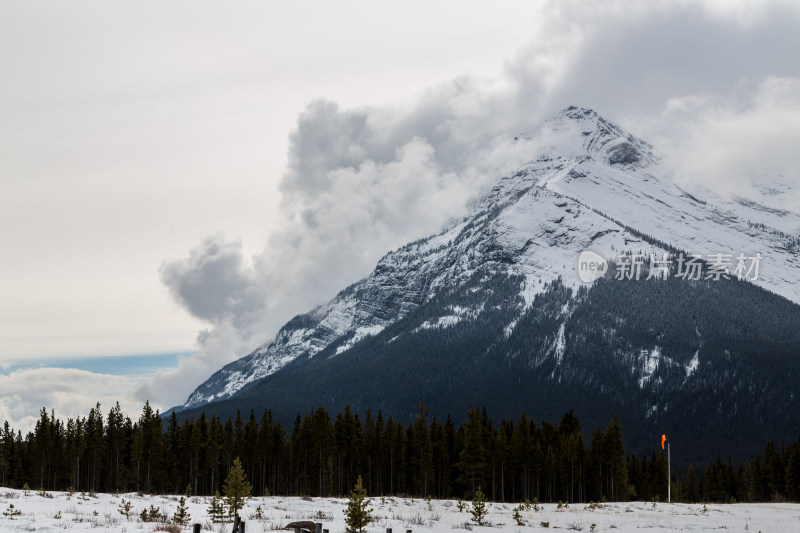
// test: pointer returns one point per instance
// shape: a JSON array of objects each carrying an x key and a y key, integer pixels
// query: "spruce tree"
[
  {"x": 479, "y": 510},
  {"x": 472, "y": 459},
  {"x": 236, "y": 488},
  {"x": 357, "y": 514},
  {"x": 125, "y": 508},
  {"x": 517, "y": 515},
  {"x": 616, "y": 471},
  {"x": 181, "y": 516},
  {"x": 216, "y": 509},
  {"x": 793, "y": 475},
  {"x": 11, "y": 512}
]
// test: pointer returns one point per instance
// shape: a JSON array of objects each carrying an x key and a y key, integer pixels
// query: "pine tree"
[
  {"x": 357, "y": 514},
  {"x": 114, "y": 442},
  {"x": 517, "y": 515},
  {"x": 236, "y": 488},
  {"x": 793, "y": 475},
  {"x": 153, "y": 514},
  {"x": 11, "y": 512},
  {"x": 181, "y": 516},
  {"x": 125, "y": 508},
  {"x": 614, "y": 455},
  {"x": 472, "y": 459},
  {"x": 216, "y": 509},
  {"x": 479, "y": 510}
]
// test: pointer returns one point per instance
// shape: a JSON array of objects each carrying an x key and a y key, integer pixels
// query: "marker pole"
[{"x": 669, "y": 477}]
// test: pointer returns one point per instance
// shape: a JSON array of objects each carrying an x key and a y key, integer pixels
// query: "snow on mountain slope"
[
  {"x": 632, "y": 191},
  {"x": 594, "y": 186}
]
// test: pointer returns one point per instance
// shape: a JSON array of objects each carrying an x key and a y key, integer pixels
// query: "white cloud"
[
  {"x": 729, "y": 141},
  {"x": 68, "y": 392}
]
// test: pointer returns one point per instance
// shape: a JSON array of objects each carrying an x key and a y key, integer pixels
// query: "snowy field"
[{"x": 57, "y": 511}]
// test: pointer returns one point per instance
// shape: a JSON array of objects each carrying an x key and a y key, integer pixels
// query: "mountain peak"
[
  {"x": 578, "y": 113},
  {"x": 579, "y": 132},
  {"x": 587, "y": 119},
  {"x": 568, "y": 144}
]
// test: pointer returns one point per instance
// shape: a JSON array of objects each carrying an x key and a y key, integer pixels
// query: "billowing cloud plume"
[
  {"x": 215, "y": 284},
  {"x": 363, "y": 181},
  {"x": 385, "y": 178}
]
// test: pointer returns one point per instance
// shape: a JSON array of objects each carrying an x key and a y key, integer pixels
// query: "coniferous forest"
[{"x": 324, "y": 456}]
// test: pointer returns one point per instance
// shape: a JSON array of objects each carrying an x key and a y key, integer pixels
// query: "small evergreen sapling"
[
  {"x": 125, "y": 508},
  {"x": 357, "y": 513},
  {"x": 517, "y": 516},
  {"x": 11, "y": 512},
  {"x": 181, "y": 516},
  {"x": 479, "y": 510},
  {"x": 236, "y": 488},
  {"x": 216, "y": 509},
  {"x": 153, "y": 514},
  {"x": 532, "y": 505},
  {"x": 156, "y": 515}
]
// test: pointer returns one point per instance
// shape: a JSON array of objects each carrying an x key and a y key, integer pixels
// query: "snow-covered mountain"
[
  {"x": 593, "y": 186},
  {"x": 590, "y": 187}
]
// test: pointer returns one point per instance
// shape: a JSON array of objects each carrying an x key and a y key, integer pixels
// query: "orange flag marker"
[{"x": 663, "y": 440}]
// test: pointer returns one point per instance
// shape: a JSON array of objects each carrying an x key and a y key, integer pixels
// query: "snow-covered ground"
[{"x": 57, "y": 511}]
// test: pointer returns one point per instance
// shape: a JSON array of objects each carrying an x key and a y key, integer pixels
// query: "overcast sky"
[{"x": 183, "y": 177}]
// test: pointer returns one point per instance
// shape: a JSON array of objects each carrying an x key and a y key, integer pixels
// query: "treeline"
[{"x": 320, "y": 456}]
